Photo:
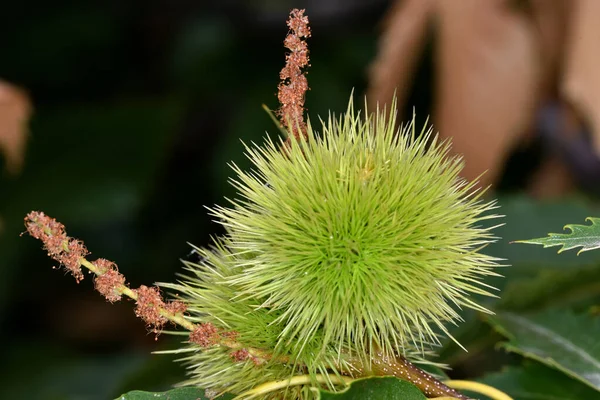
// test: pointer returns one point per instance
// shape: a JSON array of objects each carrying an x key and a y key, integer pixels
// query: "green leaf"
[
  {"x": 527, "y": 218},
  {"x": 535, "y": 381},
  {"x": 559, "y": 339},
  {"x": 388, "y": 388},
  {"x": 585, "y": 236},
  {"x": 186, "y": 393}
]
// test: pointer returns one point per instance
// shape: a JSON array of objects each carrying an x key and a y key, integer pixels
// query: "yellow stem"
[
  {"x": 269, "y": 387},
  {"x": 477, "y": 387}
]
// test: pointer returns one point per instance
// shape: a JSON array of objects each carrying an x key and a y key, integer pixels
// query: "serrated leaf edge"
[{"x": 542, "y": 241}]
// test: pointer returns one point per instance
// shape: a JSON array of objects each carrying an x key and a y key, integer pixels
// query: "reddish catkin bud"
[
  {"x": 240, "y": 355},
  {"x": 71, "y": 258},
  {"x": 110, "y": 281},
  {"x": 40, "y": 225},
  {"x": 35, "y": 222},
  {"x": 204, "y": 335},
  {"x": 293, "y": 86},
  {"x": 232, "y": 335},
  {"x": 148, "y": 306},
  {"x": 60, "y": 247},
  {"x": 176, "y": 307},
  {"x": 54, "y": 245}
]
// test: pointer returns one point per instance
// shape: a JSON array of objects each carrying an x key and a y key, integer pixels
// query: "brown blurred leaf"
[
  {"x": 581, "y": 83},
  {"x": 486, "y": 81},
  {"x": 15, "y": 110},
  {"x": 400, "y": 46},
  {"x": 550, "y": 20},
  {"x": 488, "y": 71}
]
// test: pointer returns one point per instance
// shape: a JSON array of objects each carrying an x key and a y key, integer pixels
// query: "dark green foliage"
[
  {"x": 388, "y": 388},
  {"x": 188, "y": 393},
  {"x": 559, "y": 339}
]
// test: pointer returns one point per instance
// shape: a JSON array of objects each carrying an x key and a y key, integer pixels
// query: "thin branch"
[
  {"x": 298, "y": 380},
  {"x": 293, "y": 86},
  {"x": 477, "y": 387}
]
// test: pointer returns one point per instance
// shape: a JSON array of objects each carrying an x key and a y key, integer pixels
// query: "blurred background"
[{"x": 119, "y": 118}]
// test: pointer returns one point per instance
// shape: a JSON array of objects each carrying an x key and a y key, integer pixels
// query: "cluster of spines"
[{"x": 267, "y": 216}]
